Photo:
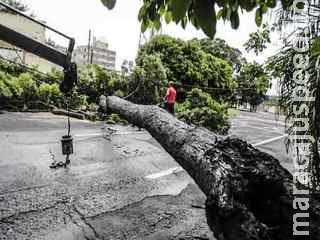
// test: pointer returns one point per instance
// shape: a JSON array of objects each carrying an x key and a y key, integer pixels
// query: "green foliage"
[
  {"x": 12, "y": 69},
  {"x": 201, "y": 13},
  {"x": 258, "y": 40},
  {"x": 109, "y": 3},
  {"x": 170, "y": 52},
  {"x": 21, "y": 89},
  {"x": 15, "y": 4},
  {"x": 5, "y": 89},
  {"x": 119, "y": 93},
  {"x": 201, "y": 110},
  {"x": 95, "y": 80},
  {"x": 253, "y": 83},
  {"x": 315, "y": 47},
  {"x": 220, "y": 49},
  {"x": 282, "y": 66},
  {"x": 115, "y": 118},
  {"x": 150, "y": 79},
  {"x": 50, "y": 94},
  {"x": 186, "y": 64},
  {"x": 29, "y": 87}
]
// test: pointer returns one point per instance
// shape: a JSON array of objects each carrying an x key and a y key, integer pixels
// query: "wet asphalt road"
[
  {"x": 111, "y": 190},
  {"x": 107, "y": 173},
  {"x": 266, "y": 131}
]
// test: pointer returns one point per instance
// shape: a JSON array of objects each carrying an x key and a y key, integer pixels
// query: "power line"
[
  {"x": 31, "y": 70},
  {"x": 48, "y": 77},
  {"x": 214, "y": 88}
]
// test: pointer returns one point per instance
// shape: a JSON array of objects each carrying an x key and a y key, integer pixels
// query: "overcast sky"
[{"x": 121, "y": 28}]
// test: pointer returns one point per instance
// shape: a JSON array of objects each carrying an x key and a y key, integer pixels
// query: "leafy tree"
[
  {"x": 201, "y": 110},
  {"x": 259, "y": 40},
  {"x": 170, "y": 52},
  {"x": 219, "y": 48},
  {"x": 188, "y": 65},
  {"x": 95, "y": 80},
  {"x": 203, "y": 14},
  {"x": 253, "y": 83},
  {"x": 150, "y": 79}
]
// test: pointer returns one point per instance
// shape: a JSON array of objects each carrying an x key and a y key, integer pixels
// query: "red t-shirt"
[{"x": 171, "y": 95}]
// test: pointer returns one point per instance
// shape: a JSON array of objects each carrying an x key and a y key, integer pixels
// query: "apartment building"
[{"x": 98, "y": 53}]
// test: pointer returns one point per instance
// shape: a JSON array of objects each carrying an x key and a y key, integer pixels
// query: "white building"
[{"x": 98, "y": 53}]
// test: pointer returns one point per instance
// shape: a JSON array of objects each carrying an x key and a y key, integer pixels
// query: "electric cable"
[
  {"x": 141, "y": 80},
  {"x": 31, "y": 70}
]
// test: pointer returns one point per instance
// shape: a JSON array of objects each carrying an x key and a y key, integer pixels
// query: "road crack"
[
  {"x": 84, "y": 221},
  {"x": 18, "y": 214}
]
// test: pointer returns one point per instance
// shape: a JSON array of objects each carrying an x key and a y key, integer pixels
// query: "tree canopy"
[
  {"x": 15, "y": 4},
  {"x": 253, "y": 84},
  {"x": 188, "y": 65},
  {"x": 219, "y": 48},
  {"x": 259, "y": 40},
  {"x": 203, "y": 14}
]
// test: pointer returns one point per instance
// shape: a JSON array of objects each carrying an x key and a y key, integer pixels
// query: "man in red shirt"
[{"x": 171, "y": 98}]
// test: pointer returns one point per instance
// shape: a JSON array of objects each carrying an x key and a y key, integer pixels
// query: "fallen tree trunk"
[{"x": 249, "y": 194}]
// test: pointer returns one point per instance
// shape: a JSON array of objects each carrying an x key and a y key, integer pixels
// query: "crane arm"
[
  {"x": 42, "y": 50},
  {"x": 33, "y": 46}
]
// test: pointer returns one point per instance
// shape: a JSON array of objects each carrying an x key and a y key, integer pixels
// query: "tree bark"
[{"x": 249, "y": 194}]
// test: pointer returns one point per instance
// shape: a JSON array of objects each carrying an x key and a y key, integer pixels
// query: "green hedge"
[{"x": 201, "y": 110}]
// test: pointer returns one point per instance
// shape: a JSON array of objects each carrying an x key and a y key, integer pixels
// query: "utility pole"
[
  {"x": 89, "y": 47},
  {"x": 91, "y": 56}
]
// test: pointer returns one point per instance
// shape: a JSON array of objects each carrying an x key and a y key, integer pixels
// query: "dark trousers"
[{"x": 170, "y": 108}]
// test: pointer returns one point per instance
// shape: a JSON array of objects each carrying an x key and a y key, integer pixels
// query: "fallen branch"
[{"x": 66, "y": 113}]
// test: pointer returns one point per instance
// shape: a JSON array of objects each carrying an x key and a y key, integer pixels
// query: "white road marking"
[
  {"x": 128, "y": 133},
  {"x": 253, "y": 119},
  {"x": 88, "y": 135},
  {"x": 102, "y": 134},
  {"x": 269, "y": 140},
  {"x": 164, "y": 173},
  {"x": 253, "y": 127}
]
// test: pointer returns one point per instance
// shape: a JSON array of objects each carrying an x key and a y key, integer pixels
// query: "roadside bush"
[
  {"x": 201, "y": 110},
  {"x": 29, "y": 88},
  {"x": 12, "y": 69},
  {"x": 95, "y": 81},
  {"x": 50, "y": 94},
  {"x": 9, "y": 86}
]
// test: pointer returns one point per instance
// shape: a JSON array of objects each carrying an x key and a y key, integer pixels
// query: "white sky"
[{"x": 121, "y": 28}]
